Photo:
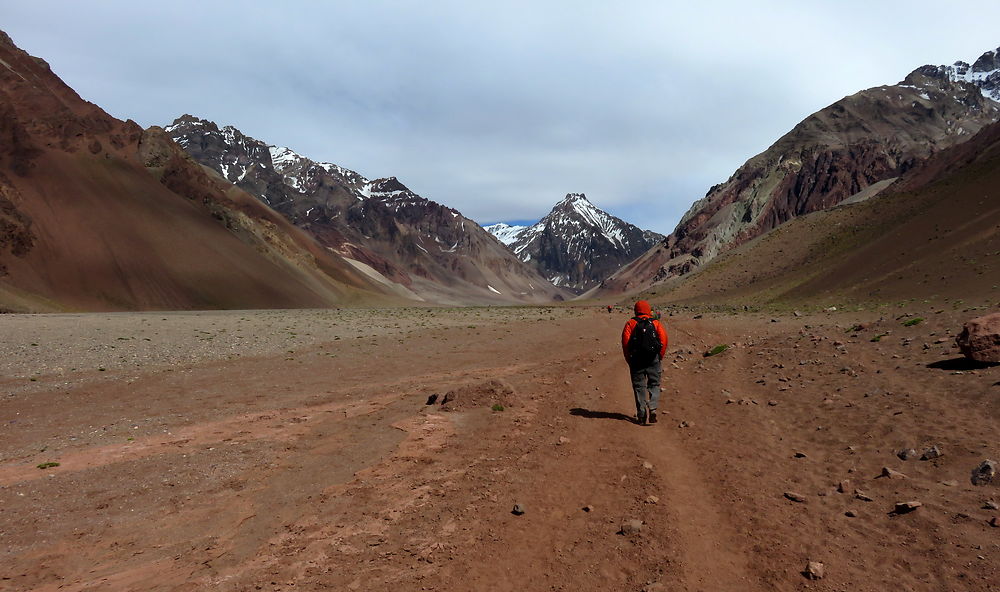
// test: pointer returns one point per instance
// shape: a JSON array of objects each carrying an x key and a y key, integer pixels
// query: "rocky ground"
[{"x": 296, "y": 451}]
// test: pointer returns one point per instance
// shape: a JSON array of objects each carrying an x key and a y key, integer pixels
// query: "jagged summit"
[
  {"x": 984, "y": 73},
  {"x": 576, "y": 244}
]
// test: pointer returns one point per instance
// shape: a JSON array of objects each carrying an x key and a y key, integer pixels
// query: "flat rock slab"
[{"x": 906, "y": 507}]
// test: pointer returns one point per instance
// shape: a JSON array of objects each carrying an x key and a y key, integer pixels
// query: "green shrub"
[
  {"x": 497, "y": 407},
  {"x": 913, "y": 321},
  {"x": 716, "y": 350},
  {"x": 48, "y": 465}
]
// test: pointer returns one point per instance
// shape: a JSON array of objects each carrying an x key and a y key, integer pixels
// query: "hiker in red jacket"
[{"x": 644, "y": 343}]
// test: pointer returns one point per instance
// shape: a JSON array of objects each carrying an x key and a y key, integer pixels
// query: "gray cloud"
[{"x": 499, "y": 110}]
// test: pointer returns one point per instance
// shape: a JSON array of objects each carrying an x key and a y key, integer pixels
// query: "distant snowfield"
[{"x": 505, "y": 233}]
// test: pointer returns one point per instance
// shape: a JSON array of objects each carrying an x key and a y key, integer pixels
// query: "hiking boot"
[
  {"x": 640, "y": 419},
  {"x": 652, "y": 417}
]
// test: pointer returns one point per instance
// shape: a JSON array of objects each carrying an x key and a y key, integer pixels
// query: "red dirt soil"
[{"x": 319, "y": 466}]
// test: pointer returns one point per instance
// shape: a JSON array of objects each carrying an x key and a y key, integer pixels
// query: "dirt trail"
[
  {"x": 316, "y": 469},
  {"x": 709, "y": 554}
]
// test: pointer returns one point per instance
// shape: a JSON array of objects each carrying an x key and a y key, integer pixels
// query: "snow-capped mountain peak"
[
  {"x": 576, "y": 244},
  {"x": 984, "y": 73},
  {"x": 396, "y": 234}
]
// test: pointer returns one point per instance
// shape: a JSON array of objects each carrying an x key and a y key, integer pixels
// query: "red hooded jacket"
[{"x": 643, "y": 310}]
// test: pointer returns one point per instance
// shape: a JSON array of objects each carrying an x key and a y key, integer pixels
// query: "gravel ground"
[{"x": 35, "y": 346}]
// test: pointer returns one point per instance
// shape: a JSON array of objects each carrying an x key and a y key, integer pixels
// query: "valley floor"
[{"x": 295, "y": 450}]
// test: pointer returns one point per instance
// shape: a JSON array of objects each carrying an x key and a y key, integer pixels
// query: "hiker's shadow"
[
  {"x": 580, "y": 412},
  {"x": 961, "y": 364}
]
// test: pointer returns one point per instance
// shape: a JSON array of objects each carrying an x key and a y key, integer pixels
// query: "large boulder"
[{"x": 980, "y": 338}]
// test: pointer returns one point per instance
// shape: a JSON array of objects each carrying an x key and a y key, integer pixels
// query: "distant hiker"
[
  {"x": 644, "y": 343},
  {"x": 610, "y": 309}
]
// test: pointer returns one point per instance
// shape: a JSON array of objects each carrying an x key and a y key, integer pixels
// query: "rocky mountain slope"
[
  {"x": 576, "y": 245},
  {"x": 850, "y": 150},
  {"x": 380, "y": 225},
  {"x": 98, "y": 214},
  {"x": 934, "y": 237}
]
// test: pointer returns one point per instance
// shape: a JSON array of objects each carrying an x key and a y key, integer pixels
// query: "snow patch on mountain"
[
  {"x": 505, "y": 233},
  {"x": 984, "y": 73}
]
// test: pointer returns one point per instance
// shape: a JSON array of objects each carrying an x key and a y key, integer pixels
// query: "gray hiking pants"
[{"x": 646, "y": 387}]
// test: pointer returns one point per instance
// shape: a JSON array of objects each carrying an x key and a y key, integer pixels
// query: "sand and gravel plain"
[{"x": 295, "y": 450}]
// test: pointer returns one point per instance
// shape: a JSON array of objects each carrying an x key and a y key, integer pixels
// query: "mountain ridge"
[
  {"x": 99, "y": 214},
  {"x": 430, "y": 249},
  {"x": 845, "y": 150}
]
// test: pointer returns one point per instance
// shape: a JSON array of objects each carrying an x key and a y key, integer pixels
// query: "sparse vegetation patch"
[{"x": 716, "y": 350}]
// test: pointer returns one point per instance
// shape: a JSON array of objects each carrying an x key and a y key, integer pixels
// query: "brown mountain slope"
[
  {"x": 934, "y": 235},
  {"x": 855, "y": 145},
  {"x": 97, "y": 214}
]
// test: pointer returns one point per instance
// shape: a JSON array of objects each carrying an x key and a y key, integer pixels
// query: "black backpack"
[{"x": 644, "y": 344}]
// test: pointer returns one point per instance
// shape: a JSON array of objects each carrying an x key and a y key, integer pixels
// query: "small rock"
[
  {"x": 796, "y": 497},
  {"x": 991, "y": 505},
  {"x": 588, "y": 508},
  {"x": 772, "y": 403},
  {"x": 647, "y": 465},
  {"x": 815, "y": 570},
  {"x": 906, "y": 454},
  {"x": 862, "y": 496},
  {"x": 652, "y": 499},
  {"x": 518, "y": 510},
  {"x": 950, "y": 483},
  {"x": 685, "y": 424},
  {"x": 995, "y": 522},
  {"x": 797, "y": 313},
  {"x": 657, "y": 587},
  {"x": 562, "y": 440},
  {"x": 891, "y": 474},
  {"x": 432, "y": 399},
  {"x": 631, "y": 527},
  {"x": 851, "y": 514},
  {"x": 844, "y": 486},
  {"x": 904, "y": 507},
  {"x": 931, "y": 453},
  {"x": 800, "y": 455},
  {"x": 984, "y": 473}
]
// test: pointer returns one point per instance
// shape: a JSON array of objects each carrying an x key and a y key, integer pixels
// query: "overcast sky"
[{"x": 499, "y": 109}]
